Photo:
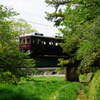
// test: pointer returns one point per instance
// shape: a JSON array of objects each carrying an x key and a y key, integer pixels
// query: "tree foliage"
[
  {"x": 81, "y": 29},
  {"x": 11, "y": 59},
  {"x": 20, "y": 26}
]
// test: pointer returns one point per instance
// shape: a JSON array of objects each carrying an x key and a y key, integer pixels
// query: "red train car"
[{"x": 37, "y": 44}]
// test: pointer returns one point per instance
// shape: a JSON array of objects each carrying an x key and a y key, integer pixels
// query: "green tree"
[
  {"x": 11, "y": 59},
  {"x": 20, "y": 26},
  {"x": 80, "y": 20}
]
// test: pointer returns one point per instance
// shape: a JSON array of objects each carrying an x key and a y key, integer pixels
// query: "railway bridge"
[{"x": 46, "y": 51}]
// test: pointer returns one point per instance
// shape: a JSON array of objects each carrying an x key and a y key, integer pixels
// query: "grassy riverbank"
[
  {"x": 40, "y": 88},
  {"x": 93, "y": 90}
]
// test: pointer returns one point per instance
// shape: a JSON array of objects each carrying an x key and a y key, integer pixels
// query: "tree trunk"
[{"x": 71, "y": 75}]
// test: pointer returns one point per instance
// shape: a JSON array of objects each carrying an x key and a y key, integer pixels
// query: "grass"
[
  {"x": 68, "y": 92},
  {"x": 40, "y": 88},
  {"x": 48, "y": 79},
  {"x": 93, "y": 92}
]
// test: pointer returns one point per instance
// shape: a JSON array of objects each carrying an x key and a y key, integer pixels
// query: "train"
[{"x": 38, "y": 44}]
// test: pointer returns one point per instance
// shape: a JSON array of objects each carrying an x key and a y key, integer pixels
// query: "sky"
[{"x": 33, "y": 11}]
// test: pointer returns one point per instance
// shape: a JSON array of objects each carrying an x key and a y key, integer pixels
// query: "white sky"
[{"x": 34, "y": 12}]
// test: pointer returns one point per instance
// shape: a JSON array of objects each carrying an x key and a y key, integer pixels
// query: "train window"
[
  {"x": 44, "y": 42},
  {"x": 33, "y": 41},
  {"x": 56, "y": 44},
  {"x": 38, "y": 41},
  {"x": 50, "y": 43},
  {"x": 28, "y": 40},
  {"x": 23, "y": 40}
]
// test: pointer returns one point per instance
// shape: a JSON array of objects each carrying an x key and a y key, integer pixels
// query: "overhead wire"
[
  {"x": 40, "y": 24},
  {"x": 37, "y": 23}
]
